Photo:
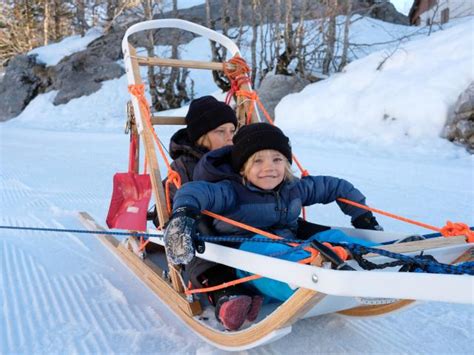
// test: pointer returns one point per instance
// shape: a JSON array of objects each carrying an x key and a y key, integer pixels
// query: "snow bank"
[
  {"x": 407, "y": 99},
  {"x": 53, "y": 53}
]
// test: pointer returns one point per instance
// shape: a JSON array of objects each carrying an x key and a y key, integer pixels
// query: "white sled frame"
[{"x": 320, "y": 290}]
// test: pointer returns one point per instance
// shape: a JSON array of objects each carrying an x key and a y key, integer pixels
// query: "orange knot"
[
  {"x": 453, "y": 229},
  {"x": 174, "y": 178},
  {"x": 252, "y": 95},
  {"x": 240, "y": 68},
  {"x": 340, "y": 251},
  {"x": 137, "y": 89}
]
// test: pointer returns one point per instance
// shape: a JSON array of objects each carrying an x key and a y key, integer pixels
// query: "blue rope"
[
  {"x": 81, "y": 231},
  {"x": 427, "y": 265},
  {"x": 211, "y": 239}
]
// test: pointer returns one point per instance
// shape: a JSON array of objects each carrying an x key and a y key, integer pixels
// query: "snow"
[
  {"x": 53, "y": 53},
  {"x": 66, "y": 293},
  {"x": 414, "y": 93},
  {"x": 402, "y": 6}
]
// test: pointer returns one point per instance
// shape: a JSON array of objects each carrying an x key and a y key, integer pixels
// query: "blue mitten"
[{"x": 179, "y": 236}]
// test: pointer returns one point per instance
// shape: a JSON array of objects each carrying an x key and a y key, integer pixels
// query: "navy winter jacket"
[{"x": 275, "y": 211}]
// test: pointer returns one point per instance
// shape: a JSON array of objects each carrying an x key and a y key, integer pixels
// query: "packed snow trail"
[{"x": 66, "y": 293}]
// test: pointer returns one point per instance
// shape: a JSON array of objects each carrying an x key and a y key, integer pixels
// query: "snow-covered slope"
[
  {"x": 64, "y": 293},
  {"x": 397, "y": 97}
]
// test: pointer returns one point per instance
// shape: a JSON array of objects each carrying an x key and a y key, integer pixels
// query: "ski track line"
[
  {"x": 36, "y": 314},
  {"x": 13, "y": 314},
  {"x": 54, "y": 307},
  {"x": 43, "y": 304},
  {"x": 372, "y": 331},
  {"x": 100, "y": 307},
  {"x": 124, "y": 317},
  {"x": 15, "y": 198},
  {"x": 76, "y": 310},
  {"x": 445, "y": 321}
]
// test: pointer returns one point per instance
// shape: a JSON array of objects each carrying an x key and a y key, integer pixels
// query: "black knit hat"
[
  {"x": 255, "y": 137},
  {"x": 206, "y": 114}
]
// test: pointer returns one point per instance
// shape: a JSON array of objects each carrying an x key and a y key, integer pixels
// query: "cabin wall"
[{"x": 443, "y": 11}]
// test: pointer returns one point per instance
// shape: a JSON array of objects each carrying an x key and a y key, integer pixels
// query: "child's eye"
[
  {"x": 258, "y": 161},
  {"x": 278, "y": 160}
]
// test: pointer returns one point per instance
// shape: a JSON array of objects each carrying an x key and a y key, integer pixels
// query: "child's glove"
[
  {"x": 367, "y": 221},
  {"x": 179, "y": 236}
]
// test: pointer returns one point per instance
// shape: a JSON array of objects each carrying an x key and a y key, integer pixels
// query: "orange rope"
[
  {"x": 238, "y": 68},
  {"x": 453, "y": 229},
  {"x": 449, "y": 230},
  {"x": 138, "y": 90}
]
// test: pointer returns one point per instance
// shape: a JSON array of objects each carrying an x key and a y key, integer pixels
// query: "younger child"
[{"x": 251, "y": 182}]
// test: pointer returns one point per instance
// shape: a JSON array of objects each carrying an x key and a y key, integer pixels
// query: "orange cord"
[
  {"x": 138, "y": 90},
  {"x": 449, "y": 230}
]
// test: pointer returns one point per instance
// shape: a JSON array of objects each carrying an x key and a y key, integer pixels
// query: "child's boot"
[
  {"x": 255, "y": 306},
  {"x": 232, "y": 311}
]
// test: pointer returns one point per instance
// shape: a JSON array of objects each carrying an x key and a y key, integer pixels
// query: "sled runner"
[{"x": 348, "y": 289}]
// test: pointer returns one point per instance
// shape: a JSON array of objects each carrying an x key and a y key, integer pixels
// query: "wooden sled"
[
  {"x": 350, "y": 293},
  {"x": 320, "y": 290}
]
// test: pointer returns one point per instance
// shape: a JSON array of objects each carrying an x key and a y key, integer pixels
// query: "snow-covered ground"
[
  {"x": 53, "y": 53},
  {"x": 65, "y": 293}
]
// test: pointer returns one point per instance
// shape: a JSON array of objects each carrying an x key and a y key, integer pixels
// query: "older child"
[
  {"x": 251, "y": 182},
  {"x": 210, "y": 125}
]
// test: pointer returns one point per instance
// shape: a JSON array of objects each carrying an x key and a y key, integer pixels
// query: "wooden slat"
[
  {"x": 467, "y": 256},
  {"x": 376, "y": 310},
  {"x": 168, "y": 120},
  {"x": 419, "y": 245},
  {"x": 154, "y": 171},
  {"x": 158, "y": 191},
  {"x": 178, "y": 63}
]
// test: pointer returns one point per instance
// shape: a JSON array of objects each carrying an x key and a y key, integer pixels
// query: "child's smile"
[{"x": 267, "y": 170}]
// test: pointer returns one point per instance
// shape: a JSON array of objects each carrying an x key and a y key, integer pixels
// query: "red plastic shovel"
[{"x": 130, "y": 197}]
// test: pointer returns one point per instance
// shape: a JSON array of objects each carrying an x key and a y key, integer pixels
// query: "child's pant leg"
[
  {"x": 279, "y": 290},
  {"x": 338, "y": 236},
  {"x": 268, "y": 287}
]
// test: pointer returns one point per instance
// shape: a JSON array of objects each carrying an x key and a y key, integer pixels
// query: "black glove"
[
  {"x": 179, "y": 236},
  {"x": 367, "y": 221}
]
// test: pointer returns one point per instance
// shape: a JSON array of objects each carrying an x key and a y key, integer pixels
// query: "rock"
[
  {"x": 387, "y": 12},
  {"x": 459, "y": 126},
  {"x": 82, "y": 73},
  {"x": 274, "y": 87},
  {"x": 24, "y": 79}
]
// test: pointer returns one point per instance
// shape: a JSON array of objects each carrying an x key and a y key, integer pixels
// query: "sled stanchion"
[
  {"x": 178, "y": 63},
  {"x": 168, "y": 120},
  {"x": 157, "y": 186}
]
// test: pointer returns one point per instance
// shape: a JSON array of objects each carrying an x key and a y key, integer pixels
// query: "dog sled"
[{"x": 323, "y": 286}]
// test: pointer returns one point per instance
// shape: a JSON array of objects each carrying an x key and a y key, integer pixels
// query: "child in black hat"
[
  {"x": 251, "y": 182},
  {"x": 210, "y": 125}
]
